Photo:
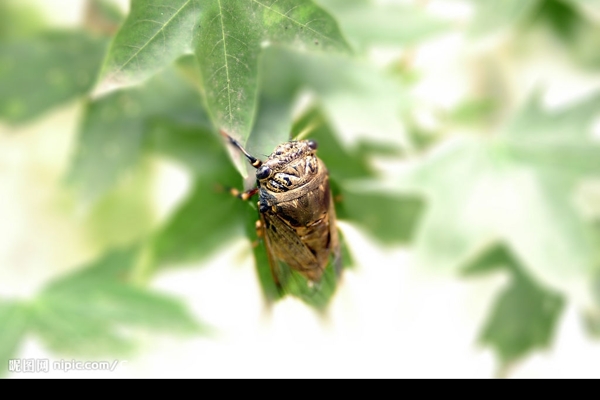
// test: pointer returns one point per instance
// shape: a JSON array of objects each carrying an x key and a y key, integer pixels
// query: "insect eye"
[
  {"x": 313, "y": 144},
  {"x": 263, "y": 172}
]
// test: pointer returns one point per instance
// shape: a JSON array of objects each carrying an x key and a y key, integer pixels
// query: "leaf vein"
[
  {"x": 153, "y": 36},
  {"x": 226, "y": 64},
  {"x": 239, "y": 61}
]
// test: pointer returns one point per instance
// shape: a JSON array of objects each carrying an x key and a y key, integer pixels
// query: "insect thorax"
[{"x": 293, "y": 164}]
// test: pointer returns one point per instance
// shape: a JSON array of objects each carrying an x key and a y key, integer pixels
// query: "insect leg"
[
  {"x": 259, "y": 226},
  {"x": 243, "y": 195}
]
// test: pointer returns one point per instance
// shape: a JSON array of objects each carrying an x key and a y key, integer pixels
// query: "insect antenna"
[{"x": 255, "y": 162}]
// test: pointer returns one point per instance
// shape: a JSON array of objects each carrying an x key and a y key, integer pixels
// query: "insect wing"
[
  {"x": 275, "y": 264},
  {"x": 289, "y": 280},
  {"x": 283, "y": 244},
  {"x": 334, "y": 241}
]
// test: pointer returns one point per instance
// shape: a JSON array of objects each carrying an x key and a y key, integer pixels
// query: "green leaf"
[
  {"x": 366, "y": 22},
  {"x": 93, "y": 311},
  {"x": 206, "y": 221},
  {"x": 515, "y": 187},
  {"x": 42, "y": 72},
  {"x": 113, "y": 131},
  {"x": 152, "y": 37},
  {"x": 232, "y": 35},
  {"x": 525, "y": 315},
  {"x": 14, "y": 319}
]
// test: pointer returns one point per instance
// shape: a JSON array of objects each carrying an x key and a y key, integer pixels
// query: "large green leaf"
[
  {"x": 43, "y": 71},
  {"x": 515, "y": 187},
  {"x": 154, "y": 34},
  {"x": 85, "y": 313},
  {"x": 525, "y": 315},
  {"x": 14, "y": 319},
  {"x": 114, "y": 127},
  {"x": 232, "y": 35}
]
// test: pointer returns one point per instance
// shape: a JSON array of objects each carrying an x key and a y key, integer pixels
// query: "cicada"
[{"x": 296, "y": 210}]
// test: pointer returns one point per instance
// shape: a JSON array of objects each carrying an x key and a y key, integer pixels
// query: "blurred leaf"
[
  {"x": 558, "y": 143},
  {"x": 579, "y": 33},
  {"x": 342, "y": 163},
  {"x": 231, "y": 37},
  {"x": 358, "y": 100},
  {"x": 124, "y": 215},
  {"x": 113, "y": 129},
  {"x": 473, "y": 111},
  {"x": 14, "y": 319},
  {"x": 515, "y": 187},
  {"x": 388, "y": 217},
  {"x": 270, "y": 290},
  {"x": 103, "y": 16},
  {"x": 492, "y": 15},
  {"x": 189, "y": 67},
  {"x": 587, "y": 5},
  {"x": 492, "y": 259},
  {"x": 41, "y": 72},
  {"x": 561, "y": 16},
  {"x": 152, "y": 37},
  {"x": 86, "y": 313},
  {"x": 194, "y": 147},
  {"x": 19, "y": 19},
  {"x": 206, "y": 221},
  {"x": 271, "y": 128},
  {"x": 570, "y": 20},
  {"x": 525, "y": 315},
  {"x": 591, "y": 316},
  {"x": 318, "y": 295},
  {"x": 366, "y": 22}
]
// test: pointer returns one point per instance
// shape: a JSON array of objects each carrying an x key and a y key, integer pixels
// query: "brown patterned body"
[
  {"x": 297, "y": 217},
  {"x": 296, "y": 210}
]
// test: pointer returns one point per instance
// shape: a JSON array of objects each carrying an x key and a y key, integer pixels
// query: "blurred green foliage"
[{"x": 161, "y": 81}]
